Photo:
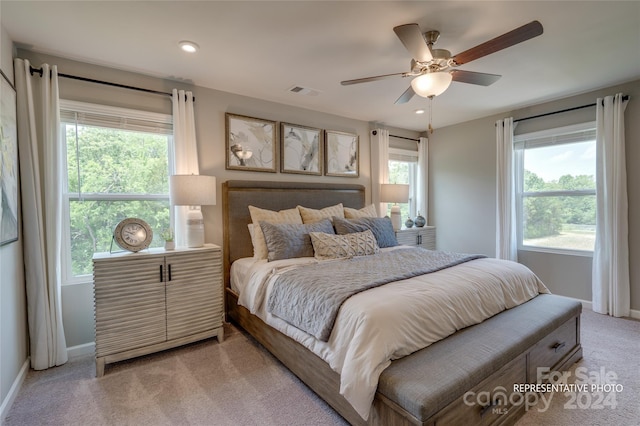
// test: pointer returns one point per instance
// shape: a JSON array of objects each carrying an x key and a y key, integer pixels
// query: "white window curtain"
[
  {"x": 610, "y": 274},
  {"x": 506, "y": 242},
  {"x": 380, "y": 166},
  {"x": 40, "y": 153},
  {"x": 422, "y": 202},
  {"x": 185, "y": 154}
]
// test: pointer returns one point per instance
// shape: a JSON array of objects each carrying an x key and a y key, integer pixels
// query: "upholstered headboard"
[{"x": 238, "y": 195}]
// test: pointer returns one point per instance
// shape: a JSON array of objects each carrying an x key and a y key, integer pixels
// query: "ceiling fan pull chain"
[{"x": 430, "y": 128}]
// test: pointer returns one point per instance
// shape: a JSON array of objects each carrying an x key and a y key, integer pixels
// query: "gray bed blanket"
[{"x": 310, "y": 296}]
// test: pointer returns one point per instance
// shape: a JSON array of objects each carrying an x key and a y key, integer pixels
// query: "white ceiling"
[{"x": 261, "y": 49}]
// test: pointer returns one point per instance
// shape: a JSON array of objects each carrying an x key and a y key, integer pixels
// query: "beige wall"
[
  {"x": 13, "y": 313},
  {"x": 462, "y": 164}
]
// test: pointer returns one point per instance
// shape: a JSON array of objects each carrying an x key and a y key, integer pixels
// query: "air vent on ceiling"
[{"x": 307, "y": 91}]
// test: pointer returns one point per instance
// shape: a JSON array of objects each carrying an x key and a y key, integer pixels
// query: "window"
[
  {"x": 403, "y": 168},
  {"x": 117, "y": 166},
  {"x": 556, "y": 189}
]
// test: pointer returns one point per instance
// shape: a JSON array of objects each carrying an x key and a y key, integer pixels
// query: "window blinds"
[
  {"x": 571, "y": 134},
  {"x": 113, "y": 117}
]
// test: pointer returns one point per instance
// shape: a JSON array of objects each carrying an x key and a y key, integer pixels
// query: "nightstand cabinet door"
[
  {"x": 421, "y": 237},
  {"x": 194, "y": 293},
  {"x": 129, "y": 304}
]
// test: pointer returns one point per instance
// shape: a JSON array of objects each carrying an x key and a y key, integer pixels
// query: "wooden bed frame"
[{"x": 311, "y": 369}]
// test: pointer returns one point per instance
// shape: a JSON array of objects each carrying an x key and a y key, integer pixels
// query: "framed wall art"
[
  {"x": 8, "y": 163},
  {"x": 301, "y": 149},
  {"x": 341, "y": 154},
  {"x": 250, "y": 143}
]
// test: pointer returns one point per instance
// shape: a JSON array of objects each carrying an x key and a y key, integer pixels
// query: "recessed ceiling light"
[
  {"x": 419, "y": 111},
  {"x": 188, "y": 46}
]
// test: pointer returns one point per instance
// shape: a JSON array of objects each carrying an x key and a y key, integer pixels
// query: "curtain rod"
[
  {"x": 375, "y": 132},
  {"x": 624, "y": 98},
  {"x": 106, "y": 83}
]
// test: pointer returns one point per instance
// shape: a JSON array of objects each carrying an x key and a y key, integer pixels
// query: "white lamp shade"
[
  {"x": 192, "y": 190},
  {"x": 431, "y": 84},
  {"x": 394, "y": 193}
]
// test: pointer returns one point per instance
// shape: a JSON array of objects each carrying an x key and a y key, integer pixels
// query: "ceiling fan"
[{"x": 434, "y": 69}]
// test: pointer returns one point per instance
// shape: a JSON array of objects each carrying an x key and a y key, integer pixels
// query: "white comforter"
[{"x": 396, "y": 319}]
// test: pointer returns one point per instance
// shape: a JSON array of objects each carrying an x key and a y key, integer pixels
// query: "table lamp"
[
  {"x": 394, "y": 193},
  {"x": 193, "y": 191}
]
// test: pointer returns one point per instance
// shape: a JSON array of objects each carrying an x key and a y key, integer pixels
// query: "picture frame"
[
  {"x": 301, "y": 149},
  {"x": 8, "y": 163},
  {"x": 251, "y": 143},
  {"x": 341, "y": 154}
]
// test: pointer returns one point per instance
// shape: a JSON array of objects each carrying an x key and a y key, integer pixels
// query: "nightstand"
[
  {"x": 421, "y": 237},
  {"x": 154, "y": 300}
]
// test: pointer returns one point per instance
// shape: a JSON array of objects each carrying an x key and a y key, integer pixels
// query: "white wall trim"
[
  {"x": 81, "y": 350},
  {"x": 13, "y": 391},
  {"x": 586, "y": 304}
]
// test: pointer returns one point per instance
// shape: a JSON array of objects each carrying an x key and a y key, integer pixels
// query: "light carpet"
[{"x": 240, "y": 383}]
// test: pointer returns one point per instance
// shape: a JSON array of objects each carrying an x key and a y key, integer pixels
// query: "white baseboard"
[
  {"x": 13, "y": 391},
  {"x": 72, "y": 352},
  {"x": 587, "y": 304},
  {"x": 81, "y": 350}
]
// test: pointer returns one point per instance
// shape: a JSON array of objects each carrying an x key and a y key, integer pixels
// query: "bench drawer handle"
[{"x": 558, "y": 346}]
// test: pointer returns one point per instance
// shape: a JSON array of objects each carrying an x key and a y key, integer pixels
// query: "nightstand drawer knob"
[{"x": 558, "y": 346}]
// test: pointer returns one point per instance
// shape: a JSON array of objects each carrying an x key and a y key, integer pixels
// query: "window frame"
[
  {"x": 518, "y": 168},
  {"x": 403, "y": 155},
  {"x": 125, "y": 114}
]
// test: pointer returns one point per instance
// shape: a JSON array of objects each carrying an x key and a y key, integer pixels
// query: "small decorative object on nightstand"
[
  {"x": 408, "y": 223},
  {"x": 167, "y": 236},
  {"x": 420, "y": 221},
  {"x": 132, "y": 234}
]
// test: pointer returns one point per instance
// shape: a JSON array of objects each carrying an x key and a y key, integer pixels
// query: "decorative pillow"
[
  {"x": 369, "y": 211},
  {"x": 380, "y": 226},
  {"x": 328, "y": 246},
  {"x": 258, "y": 215},
  {"x": 289, "y": 240},
  {"x": 250, "y": 226},
  {"x": 312, "y": 215}
]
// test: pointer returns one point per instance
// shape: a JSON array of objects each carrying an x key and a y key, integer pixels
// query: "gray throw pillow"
[
  {"x": 380, "y": 226},
  {"x": 289, "y": 240}
]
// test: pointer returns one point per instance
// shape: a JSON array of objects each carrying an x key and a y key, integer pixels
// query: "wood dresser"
[{"x": 154, "y": 300}]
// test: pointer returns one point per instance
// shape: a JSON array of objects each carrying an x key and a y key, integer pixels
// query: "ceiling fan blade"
[
  {"x": 523, "y": 33},
  {"x": 472, "y": 77},
  {"x": 367, "y": 79},
  {"x": 406, "y": 96},
  {"x": 411, "y": 36}
]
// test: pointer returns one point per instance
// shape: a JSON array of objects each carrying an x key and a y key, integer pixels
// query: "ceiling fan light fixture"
[{"x": 431, "y": 84}]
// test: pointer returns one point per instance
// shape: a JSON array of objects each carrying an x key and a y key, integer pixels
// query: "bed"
[{"x": 506, "y": 348}]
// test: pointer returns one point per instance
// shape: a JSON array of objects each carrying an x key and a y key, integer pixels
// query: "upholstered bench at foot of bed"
[{"x": 429, "y": 386}]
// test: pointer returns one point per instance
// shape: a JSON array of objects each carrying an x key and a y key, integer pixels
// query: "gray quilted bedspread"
[{"x": 310, "y": 296}]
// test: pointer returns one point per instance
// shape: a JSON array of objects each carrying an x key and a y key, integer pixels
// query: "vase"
[
  {"x": 169, "y": 245},
  {"x": 420, "y": 221},
  {"x": 408, "y": 223}
]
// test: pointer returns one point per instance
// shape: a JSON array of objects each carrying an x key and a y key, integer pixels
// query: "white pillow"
[
  {"x": 330, "y": 246},
  {"x": 313, "y": 215},
  {"x": 257, "y": 215},
  {"x": 369, "y": 211}
]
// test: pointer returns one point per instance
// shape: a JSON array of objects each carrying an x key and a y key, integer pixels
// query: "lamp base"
[
  {"x": 396, "y": 219},
  {"x": 195, "y": 228}
]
